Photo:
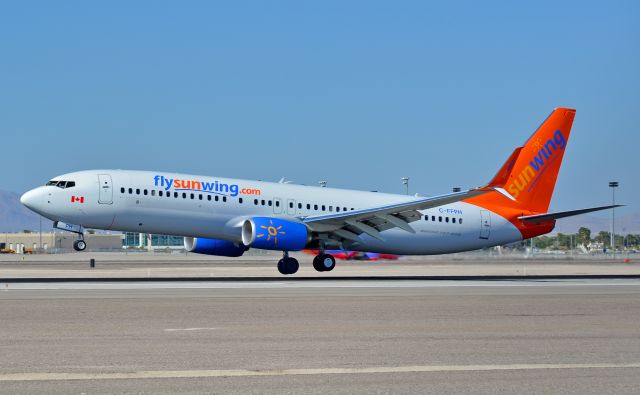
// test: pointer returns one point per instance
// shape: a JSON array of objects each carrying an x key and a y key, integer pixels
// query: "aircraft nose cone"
[{"x": 31, "y": 199}]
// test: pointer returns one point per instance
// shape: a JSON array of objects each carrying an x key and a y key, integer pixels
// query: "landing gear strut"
[
  {"x": 324, "y": 262},
  {"x": 288, "y": 265}
]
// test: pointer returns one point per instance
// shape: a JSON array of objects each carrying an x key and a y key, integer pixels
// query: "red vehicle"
[{"x": 355, "y": 255}]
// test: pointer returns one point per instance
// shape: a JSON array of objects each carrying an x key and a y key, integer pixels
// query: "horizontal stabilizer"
[{"x": 539, "y": 218}]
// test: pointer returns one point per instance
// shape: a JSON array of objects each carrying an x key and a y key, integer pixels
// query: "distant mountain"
[{"x": 14, "y": 217}]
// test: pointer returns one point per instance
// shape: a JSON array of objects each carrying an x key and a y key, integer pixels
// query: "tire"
[
  {"x": 79, "y": 245},
  {"x": 288, "y": 266},
  {"x": 324, "y": 262}
]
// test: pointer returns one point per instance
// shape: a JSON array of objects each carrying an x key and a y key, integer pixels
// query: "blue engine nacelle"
[
  {"x": 213, "y": 247},
  {"x": 274, "y": 234}
]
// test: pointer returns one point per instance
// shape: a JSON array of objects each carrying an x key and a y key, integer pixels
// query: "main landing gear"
[
  {"x": 288, "y": 265},
  {"x": 324, "y": 262}
]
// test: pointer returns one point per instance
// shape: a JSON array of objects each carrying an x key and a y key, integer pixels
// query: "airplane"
[{"x": 226, "y": 217}]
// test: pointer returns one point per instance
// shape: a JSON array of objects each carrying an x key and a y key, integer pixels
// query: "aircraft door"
[
  {"x": 485, "y": 224},
  {"x": 105, "y": 195},
  {"x": 291, "y": 207}
]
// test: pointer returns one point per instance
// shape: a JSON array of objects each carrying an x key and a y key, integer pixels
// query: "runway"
[{"x": 359, "y": 336}]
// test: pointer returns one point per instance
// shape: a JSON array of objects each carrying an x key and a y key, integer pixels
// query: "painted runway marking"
[
  {"x": 189, "y": 329},
  {"x": 164, "y": 374},
  {"x": 319, "y": 284}
]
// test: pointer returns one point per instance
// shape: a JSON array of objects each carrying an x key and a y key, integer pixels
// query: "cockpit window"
[{"x": 61, "y": 184}]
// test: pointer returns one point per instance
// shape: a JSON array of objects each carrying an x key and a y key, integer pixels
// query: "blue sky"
[{"x": 356, "y": 93}]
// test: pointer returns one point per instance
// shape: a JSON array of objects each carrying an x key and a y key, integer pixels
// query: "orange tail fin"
[
  {"x": 530, "y": 174},
  {"x": 534, "y": 173}
]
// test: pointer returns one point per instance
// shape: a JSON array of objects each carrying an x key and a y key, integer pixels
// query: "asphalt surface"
[{"x": 373, "y": 336}]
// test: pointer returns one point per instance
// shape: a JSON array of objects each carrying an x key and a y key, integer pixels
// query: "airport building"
[
  {"x": 145, "y": 240},
  {"x": 59, "y": 242}
]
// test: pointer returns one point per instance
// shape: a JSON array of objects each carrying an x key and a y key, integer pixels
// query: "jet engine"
[
  {"x": 274, "y": 234},
  {"x": 213, "y": 247}
]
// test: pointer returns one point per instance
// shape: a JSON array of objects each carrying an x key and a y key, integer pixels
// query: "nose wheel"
[
  {"x": 79, "y": 245},
  {"x": 288, "y": 265},
  {"x": 324, "y": 262}
]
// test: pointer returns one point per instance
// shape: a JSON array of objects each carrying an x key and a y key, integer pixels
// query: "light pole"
[
  {"x": 613, "y": 185},
  {"x": 405, "y": 182}
]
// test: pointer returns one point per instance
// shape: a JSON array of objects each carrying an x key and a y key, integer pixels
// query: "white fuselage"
[{"x": 209, "y": 207}]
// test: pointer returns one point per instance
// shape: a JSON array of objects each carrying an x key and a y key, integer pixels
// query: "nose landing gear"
[
  {"x": 324, "y": 262},
  {"x": 78, "y": 245},
  {"x": 288, "y": 265}
]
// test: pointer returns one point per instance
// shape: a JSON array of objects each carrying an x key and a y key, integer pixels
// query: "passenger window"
[
  {"x": 299, "y": 205},
  {"x": 460, "y": 221},
  {"x": 255, "y": 201},
  {"x": 331, "y": 208},
  {"x": 324, "y": 207},
  {"x": 145, "y": 192},
  {"x": 224, "y": 198},
  {"x": 453, "y": 220},
  {"x": 315, "y": 207},
  {"x": 218, "y": 198},
  {"x": 184, "y": 195},
  {"x": 439, "y": 219},
  {"x": 426, "y": 217},
  {"x": 130, "y": 191},
  {"x": 192, "y": 196},
  {"x": 308, "y": 206},
  {"x": 175, "y": 195},
  {"x": 277, "y": 203},
  {"x": 263, "y": 202},
  {"x": 160, "y": 193},
  {"x": 137, "y": 191},
  {"x": 121, "y": 190},
  {"x": 338, "y": 209},
  {"x": 240, "y": 200},
  {"x": 200, "y": 197},
  {"x": 344, "y": 209},
  {"x": 352, "y": 208},
  {"x": 269, "y": 203},
  {"x": 446, "y": 219},
  {"x": 290, "y": 204},
  {"x": 153, "y": 192},
  {"x": 433, "y": 218},
  {"x": 209, "y": 197}
]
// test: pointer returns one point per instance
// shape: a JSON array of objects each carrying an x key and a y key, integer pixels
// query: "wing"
[{"x": 349, "y": 225}]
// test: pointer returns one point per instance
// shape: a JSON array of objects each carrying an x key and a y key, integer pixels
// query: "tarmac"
[{"x": 372, "y": 329}]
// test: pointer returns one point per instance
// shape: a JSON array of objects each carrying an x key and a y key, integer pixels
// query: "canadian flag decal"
[{"x": 79, "y": 199}]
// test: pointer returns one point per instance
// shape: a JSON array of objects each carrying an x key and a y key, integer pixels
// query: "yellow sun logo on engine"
[{"x": 272, "y": 232}]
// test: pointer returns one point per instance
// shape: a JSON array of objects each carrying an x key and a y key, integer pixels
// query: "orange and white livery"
[{"x": 221, "y": 216}]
